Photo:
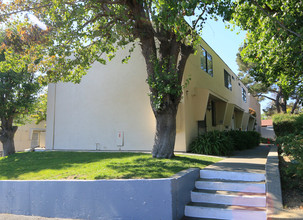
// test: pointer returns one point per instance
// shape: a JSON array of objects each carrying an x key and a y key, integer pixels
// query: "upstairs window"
[
  {"x": 207, "y": 62},
  {"x": 244, "y": 95},
  {"x": 227, "y": 80}
]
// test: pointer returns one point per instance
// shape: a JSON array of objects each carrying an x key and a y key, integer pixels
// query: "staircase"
[{"x": 228, "y": 195}]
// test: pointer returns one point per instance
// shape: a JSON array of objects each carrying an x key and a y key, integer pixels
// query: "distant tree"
[
  {"x": 18, "y": 82},
  {"x": 274, "y": 44},
  {"x": 40, "y": 109}
]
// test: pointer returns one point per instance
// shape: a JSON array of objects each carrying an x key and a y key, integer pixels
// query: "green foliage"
[
  {"x": 292, "y": 145},
  {"x": 285, "y": 124},
  {"x": 213, "y": 143},
  {"x": 288, "y": 129},
  {"x": 40, "y": 109},
  {"x": 90, "y": 166},
  {"x": 274, "y": 41},
  {"x": 224, "y": 142},
  {"x": 243, "y": 140},
  {"x": 18, "y": 91}
]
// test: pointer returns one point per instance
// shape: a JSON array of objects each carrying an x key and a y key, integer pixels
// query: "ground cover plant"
[{"x": 95, "y": 165}]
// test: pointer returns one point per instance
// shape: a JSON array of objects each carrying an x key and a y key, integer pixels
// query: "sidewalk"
[{"x": 252, "y": 161}]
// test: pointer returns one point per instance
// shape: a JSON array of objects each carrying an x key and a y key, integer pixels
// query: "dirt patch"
[{"x": 292, "y": 186}]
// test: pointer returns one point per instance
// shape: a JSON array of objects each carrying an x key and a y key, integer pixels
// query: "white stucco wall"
[{"x": 110, "y": 98}]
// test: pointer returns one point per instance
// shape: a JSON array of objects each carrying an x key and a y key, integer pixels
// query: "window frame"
[
  {"x": 227, "y": 80},
  {"x": 207, "y": 60}
]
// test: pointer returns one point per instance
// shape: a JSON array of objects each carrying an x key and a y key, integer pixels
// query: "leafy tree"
[
  {"x": 18, "y": 82},
  {"x": 40, "y": 110},
  {"x": 89, "y": 29},
  {"x": 274, "y": 45}
]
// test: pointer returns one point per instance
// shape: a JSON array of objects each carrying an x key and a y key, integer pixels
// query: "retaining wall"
[{"x": 100, "y": 199}]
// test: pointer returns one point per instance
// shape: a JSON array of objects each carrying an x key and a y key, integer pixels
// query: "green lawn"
[{"x": 91, "y": 166}]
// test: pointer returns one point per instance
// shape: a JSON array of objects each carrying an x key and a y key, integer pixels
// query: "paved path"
[{"x": 253, "y": 161}]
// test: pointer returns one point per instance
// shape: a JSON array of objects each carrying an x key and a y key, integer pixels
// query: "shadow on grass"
[
  {"x": 13, "y": 166},
  {"x": 148, "y": 168}
]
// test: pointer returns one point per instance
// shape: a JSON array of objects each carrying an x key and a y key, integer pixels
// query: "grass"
[{"x": 91, "y": 166}]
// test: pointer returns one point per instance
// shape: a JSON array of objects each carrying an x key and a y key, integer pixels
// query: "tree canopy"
[
  {"x": 19, "y": 55},
  {"x": 274, "y": 41}
]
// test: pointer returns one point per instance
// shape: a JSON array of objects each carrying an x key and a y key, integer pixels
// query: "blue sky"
[{"x": 224, "y": 41}]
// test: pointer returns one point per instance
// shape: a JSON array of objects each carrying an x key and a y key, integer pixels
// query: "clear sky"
[{"x": 224, "y": 41}]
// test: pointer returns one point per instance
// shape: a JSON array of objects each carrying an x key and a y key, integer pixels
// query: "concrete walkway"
[{"x": 252, "y": 161}]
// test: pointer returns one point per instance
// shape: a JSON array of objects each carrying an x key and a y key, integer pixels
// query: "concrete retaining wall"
[
  {"x": 273, "y": 183},
  {"x": 101, "y": 199}
]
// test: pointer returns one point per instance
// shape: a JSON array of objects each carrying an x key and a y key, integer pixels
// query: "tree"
[
  {"x": 40, "y": 109},
  {"x": 274, "y": 45},
  {"x": 18, "y": 82},
  {"x": 89, "y": 29}
]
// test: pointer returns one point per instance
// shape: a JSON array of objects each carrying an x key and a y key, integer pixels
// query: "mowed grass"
[{"x": 91, "y": 166}]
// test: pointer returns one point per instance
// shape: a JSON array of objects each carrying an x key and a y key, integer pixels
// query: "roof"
[{"x": 267, "y": 122}]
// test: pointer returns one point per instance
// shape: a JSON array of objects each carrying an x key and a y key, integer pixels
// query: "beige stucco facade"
[
  {"x": 29, "y": 135},
  {"x": 110, "y": 108}
]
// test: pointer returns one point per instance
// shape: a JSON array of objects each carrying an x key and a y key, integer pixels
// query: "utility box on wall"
[{"x": 120, "y": 138}]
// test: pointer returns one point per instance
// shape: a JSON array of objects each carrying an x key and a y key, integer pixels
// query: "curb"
[{"x": 274, "y": 203}]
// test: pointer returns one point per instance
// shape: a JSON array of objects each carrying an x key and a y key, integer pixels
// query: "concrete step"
[
  {"x": 215, "y": 211},
  {"x": 231, "y": 185},
  {"x": 229, "y": 175},
  {"x": 229, "y": 198}
]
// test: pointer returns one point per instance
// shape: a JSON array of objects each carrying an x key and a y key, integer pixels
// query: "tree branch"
[
  {"x": 275, "y": 20},
  {"x": 25, "y": 10}
]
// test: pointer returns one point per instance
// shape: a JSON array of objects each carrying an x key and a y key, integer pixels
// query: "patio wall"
[{"x": 100, "y": 199}]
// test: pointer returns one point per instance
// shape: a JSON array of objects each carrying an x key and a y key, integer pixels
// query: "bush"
[
  {"x": 285, "y": 124},
  {"x": 292, "y": 146},
  {"x": 213, "y": 143},
  {"x": 224, "y": 142},
  {"x": 245, "y": 139}
]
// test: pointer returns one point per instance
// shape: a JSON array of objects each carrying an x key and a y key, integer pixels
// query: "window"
[
  {"x": 244, "y": 95},
  {"x": 207, "y": 62},
  {"x": 227, "y": 80}
]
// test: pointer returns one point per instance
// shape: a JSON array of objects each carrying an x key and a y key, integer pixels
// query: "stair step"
[
  {"x": 228, "y": 197},
  {"x": 231, "y": 185},
  {"x": 193, "y": 218},
  {"x": 219, "y": 211},
  {"x": 229, "y": 175}
]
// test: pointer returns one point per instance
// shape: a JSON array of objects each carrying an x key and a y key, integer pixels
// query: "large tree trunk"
[
  {"x": 295, "y": 106},
  {"x": 7, "y": 134},
  {"x": 165, "y": 133}
]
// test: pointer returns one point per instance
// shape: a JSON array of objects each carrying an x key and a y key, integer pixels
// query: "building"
[
  {"x": 28, "y": 136},
  {"x": 267, "y": 129},
  {"x": 110, "y": 108}
]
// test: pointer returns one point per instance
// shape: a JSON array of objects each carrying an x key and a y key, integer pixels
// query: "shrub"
[
  {"x": 285, "y": 124},
  {"x": 245, "y": 139},
  {"x": 292, "y": 145},
  {"x": 213, "y": 143},
  {"x": 224, "y": 142}
]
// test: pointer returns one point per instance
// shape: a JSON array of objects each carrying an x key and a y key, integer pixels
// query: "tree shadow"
[
  {"x": 11, "y": 167},
  {"x": 149, "y": 168}
]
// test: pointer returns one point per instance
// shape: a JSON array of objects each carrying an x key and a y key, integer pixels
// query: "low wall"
[
  {"x": 100, "y": 199},
  {"x": 273, "y": 183}
]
